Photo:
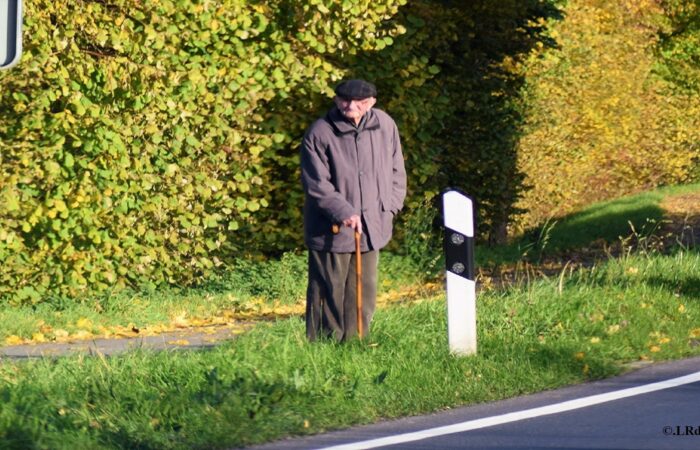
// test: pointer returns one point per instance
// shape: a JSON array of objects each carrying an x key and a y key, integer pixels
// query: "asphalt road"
[{"x": 655, "y": 407}]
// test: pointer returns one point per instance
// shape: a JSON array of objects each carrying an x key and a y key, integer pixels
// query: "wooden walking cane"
[{"x": 358, "y": 272}]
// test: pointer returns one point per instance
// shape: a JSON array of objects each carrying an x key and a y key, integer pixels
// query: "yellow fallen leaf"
[
  {"x": 633, "y": 271},
  {"x": 180, "y": 321},
  {"x": 200, "y": 322},
  {"x": 219, "y": 320},
  {"x": 596, "y": 317},
  {"x": 124, "y": 332},
  {"x": 681, "y": 308},
  {"x": 60, "y": 334},
  {"x": 307, "y": 424},
  {"x": 595, "y": 340},
  {"x": 579, "y": 355},
  {"x": 38, "y": 337},
  {"x": 84, "y": 324},
  {"x": 104, "y": 331},
  {"x": 156, "y": 329},
  {"x": 612, "y": 329},
  {"x": 82, "y": 335},
  {"x": 179, "y": 342},
  {"x": 695, "y": 333},
  {"x": 654, "y": 349},
  {"x": 13, "y": 340},
  {"x": 664, "y": 340}
]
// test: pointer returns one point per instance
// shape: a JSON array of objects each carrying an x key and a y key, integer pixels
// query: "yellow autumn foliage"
[{"x": 600, "y": 122}]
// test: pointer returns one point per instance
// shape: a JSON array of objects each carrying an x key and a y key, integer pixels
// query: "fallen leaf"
[
  {"x": 180, "y": 321},
  {"x": 612, "y": 329},
  {"x": 124, "y": 332},
  {"x": 82, "y": 335},
  {"x": 38, "y": 337},
  {"x": 60, "y": 334},
  {"x": 14, "y": 340},
  {"x": 84, "y": 324}
]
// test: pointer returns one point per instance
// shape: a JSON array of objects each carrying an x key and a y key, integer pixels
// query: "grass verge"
[{"x": 271, "y": 383}]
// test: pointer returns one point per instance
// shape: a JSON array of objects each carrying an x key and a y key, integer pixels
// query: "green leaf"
[{"x": 68, "y": 161}]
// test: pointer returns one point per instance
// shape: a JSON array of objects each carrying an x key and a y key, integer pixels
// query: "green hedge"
[
  {"x": 138, "y": 137},
  {"x": 154, "y": 142}
]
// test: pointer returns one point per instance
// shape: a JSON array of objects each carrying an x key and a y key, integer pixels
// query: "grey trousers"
[{"x": 331, "y": 303}]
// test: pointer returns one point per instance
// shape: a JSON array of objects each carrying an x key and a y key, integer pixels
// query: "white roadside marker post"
[
  {"x": 458, "y": 216},
  {"x": 10, "y": 33}
]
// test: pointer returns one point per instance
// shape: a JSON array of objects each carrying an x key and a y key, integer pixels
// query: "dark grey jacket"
[{"x": 347, "y": 170}]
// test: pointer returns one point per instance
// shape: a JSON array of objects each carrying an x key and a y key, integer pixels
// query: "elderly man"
[{"x": 353, "y": 175}]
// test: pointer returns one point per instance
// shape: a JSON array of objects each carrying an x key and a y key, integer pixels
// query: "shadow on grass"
[
  {"x": 602, "y": 223},
  {"x": 688, "y": 288},
  {"x": 594, "y": 228},
  {"x": 555, "y": 363}
]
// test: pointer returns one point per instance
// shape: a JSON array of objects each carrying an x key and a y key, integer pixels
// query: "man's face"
[{"x": 354, "y": 109}]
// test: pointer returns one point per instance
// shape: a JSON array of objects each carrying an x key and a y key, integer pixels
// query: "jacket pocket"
[{"x": 386, "y": 206}]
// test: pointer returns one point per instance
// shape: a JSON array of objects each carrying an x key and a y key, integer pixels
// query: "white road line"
[{"x": 520, "y": 415}]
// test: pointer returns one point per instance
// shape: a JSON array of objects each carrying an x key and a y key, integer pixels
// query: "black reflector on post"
[{"x": 459, "y": 253}]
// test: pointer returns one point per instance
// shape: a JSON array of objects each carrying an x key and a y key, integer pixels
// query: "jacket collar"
[{"x": 342, "y": 126}]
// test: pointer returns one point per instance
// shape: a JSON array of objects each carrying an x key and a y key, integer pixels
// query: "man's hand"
[{"x": 354, "y": 222}]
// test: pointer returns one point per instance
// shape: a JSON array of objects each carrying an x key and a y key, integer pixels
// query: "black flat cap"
[{"x": 357, "y": 89}]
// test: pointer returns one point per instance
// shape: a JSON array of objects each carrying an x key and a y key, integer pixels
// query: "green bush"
[
  {"x": 155, "y": 142},
  {"x": 139, "y": 140}
]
